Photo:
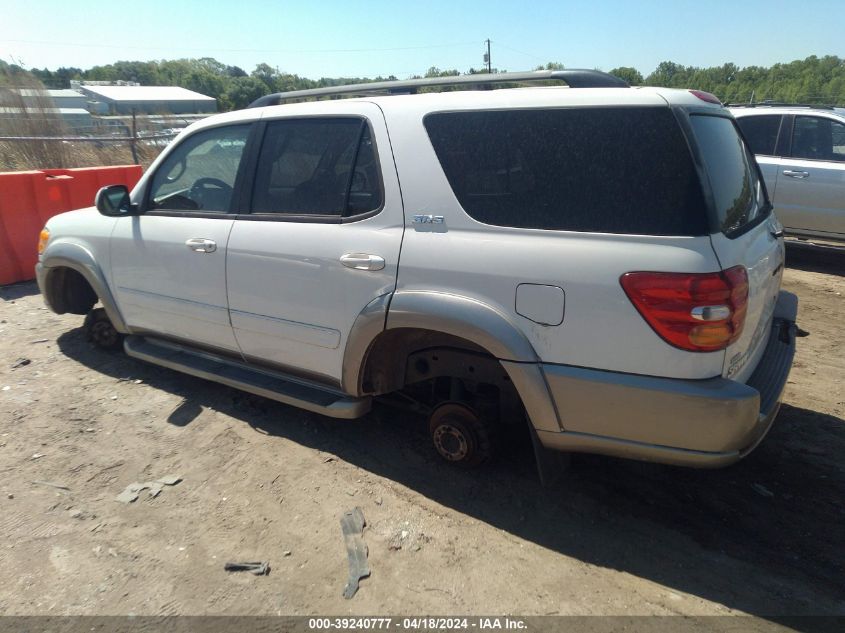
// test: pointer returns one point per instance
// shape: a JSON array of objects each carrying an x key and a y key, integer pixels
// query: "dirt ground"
[{"x": 265, "y": 482}]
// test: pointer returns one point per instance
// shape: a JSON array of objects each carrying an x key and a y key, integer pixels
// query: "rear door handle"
[
  {"x": 201, "y": 245},
  {"x": 362, "y": 261},
  {"x": 796, "y": 174}
]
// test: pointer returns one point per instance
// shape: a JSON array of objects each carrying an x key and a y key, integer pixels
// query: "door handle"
[
  {"x": 796, "y": 174},
  {"x": 201, "y": 245},
  {"x": 362, "y": 261}
]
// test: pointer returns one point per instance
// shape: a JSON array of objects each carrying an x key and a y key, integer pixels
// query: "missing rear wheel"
[{"x": 459, "y": 435}]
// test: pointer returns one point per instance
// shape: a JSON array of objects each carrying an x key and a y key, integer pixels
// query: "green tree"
[
  {"x": 629, "y": 74},
  {"x": 434, "y": 71},
  {"x": 241, "y": 92},
  {"x": 668, "y": 74},
  {"x": 811, "y": 80},
  {"x": 266, "y": 74}
]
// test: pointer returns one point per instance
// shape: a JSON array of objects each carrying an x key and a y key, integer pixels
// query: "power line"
[
  {"x": 515, "y": 50},
  {"x": 246, "y": 50}
]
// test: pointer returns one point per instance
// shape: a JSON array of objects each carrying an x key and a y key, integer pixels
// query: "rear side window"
[
  {"x": 816, "y": 138},
  {"x": 761, "y": 132},
  {"x": 605, "y": 170},
  {"x": 317, "y": 167},
  {"x": 737, "y": 189}
]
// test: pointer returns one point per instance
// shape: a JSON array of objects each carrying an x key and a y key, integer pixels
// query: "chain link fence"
[{"x": 46, "y": 138}]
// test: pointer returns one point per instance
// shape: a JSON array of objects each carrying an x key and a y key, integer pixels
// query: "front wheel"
[
  {"x": 459, "y": 435},
  {"x": 100, "y": 331}
]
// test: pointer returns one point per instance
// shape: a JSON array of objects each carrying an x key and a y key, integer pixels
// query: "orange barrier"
[{"x": 29, "y": 198}]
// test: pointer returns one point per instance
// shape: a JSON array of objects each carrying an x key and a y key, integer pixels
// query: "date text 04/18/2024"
[{"x": 417, "y": 623}]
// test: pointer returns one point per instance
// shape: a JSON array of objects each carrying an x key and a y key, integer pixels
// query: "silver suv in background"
[{"x": 801, "y": 152}]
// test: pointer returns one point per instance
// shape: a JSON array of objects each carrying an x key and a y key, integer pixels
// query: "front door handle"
[
  {"x": 201, "y": 245},
  {"x": 796, "y": 174},
  {"x": 362, "y": 261}
]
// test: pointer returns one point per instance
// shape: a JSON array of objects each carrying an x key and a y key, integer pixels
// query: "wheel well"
[
  {"x": 384, "y": 368},
  {"x": 433, "y": 366},
  {"x": 69, "y": 291}
]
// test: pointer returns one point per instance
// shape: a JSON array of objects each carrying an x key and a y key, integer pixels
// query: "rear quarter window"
[
  {"x": 732, "y": 171},
  {"x": 606, "y": 170}
]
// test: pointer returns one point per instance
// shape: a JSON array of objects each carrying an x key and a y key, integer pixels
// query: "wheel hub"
[
  {"x": 450, "y": 442},
  {"x": 103, "y": 333}
]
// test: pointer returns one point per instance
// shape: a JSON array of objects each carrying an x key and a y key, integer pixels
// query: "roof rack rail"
[
  {"x": 574, "y": 78},
  {"x": 780, "y": 104}
]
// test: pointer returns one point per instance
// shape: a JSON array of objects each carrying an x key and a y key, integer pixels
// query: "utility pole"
[{"x": 487, "y": 56}]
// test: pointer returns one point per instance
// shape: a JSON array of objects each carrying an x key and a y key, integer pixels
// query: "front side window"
[
  {"x": 324, "y": 167},
  {"x": 761, "y": 132},
  {"x": 606, "y": 170},
  {"x": 199, "y": 175},
  {"x": 817, "y": 138},
  {"x": 737, "y": 189}
]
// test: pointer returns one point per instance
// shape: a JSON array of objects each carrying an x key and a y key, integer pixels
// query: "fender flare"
[
  {"x": 463, "y": 317},
  {"x": 78, "y": 258}
]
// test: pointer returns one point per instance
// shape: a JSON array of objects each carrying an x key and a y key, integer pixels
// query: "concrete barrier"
[{"x": 29, "y": 198}]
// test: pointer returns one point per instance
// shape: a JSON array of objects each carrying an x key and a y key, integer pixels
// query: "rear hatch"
[{"x": 747, "y": 232}]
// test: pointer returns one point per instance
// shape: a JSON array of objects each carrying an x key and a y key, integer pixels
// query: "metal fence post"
[{"x": 134, "y": 139}]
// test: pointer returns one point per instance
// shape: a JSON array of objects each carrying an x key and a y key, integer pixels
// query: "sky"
[{"x": 369, "y": 38}]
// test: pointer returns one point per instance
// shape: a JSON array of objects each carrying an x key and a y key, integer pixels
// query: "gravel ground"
[{"x": 264, "y": 482}]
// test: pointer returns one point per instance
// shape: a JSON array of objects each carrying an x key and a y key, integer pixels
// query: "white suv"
[
  {"x": 599, "y": 260},
  {"x": 801, "y": 152}
]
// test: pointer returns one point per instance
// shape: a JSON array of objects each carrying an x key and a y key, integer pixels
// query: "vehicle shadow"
[
  {"x": 732, "y": 536},
  {"x": 13, "y": 292},
  {"x": 815, "y": 258}
]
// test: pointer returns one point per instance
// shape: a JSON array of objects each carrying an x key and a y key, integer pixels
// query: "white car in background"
[{"x": 801, "y": 152}]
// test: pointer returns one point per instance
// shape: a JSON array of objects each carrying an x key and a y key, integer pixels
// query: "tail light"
[{"x": 698, "y": 312}]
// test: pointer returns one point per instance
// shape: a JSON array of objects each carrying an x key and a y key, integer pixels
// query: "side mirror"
[{"x": 113, "y": 201}]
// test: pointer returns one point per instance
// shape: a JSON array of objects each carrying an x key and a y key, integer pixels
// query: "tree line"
[{"x": 815, "y": 80}]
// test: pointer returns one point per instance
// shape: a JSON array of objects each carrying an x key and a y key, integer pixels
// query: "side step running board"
[{"x": 272, "y": 385}]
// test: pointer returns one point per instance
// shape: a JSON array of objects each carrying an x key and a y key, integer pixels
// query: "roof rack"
[
  {"x": 779, "y": 104},
  {"x": 574, "y": 78}
]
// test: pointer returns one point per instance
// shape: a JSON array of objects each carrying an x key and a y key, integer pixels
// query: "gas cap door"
[{"x": 540, "y": 303}]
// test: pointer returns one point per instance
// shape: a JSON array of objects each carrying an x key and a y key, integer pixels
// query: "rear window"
[
  {"x": 605, "y": 170},
  {"x": 737, "y": 189},
  {"x": 761, "y": 132},
  {"x": 317, "y": 166},
  {"x": 816, "y": 138}
]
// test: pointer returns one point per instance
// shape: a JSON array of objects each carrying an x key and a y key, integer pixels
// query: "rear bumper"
[{"x": 699, "y": 423}]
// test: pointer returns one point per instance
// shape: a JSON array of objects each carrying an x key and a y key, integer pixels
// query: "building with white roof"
[
  {"x": 149, "y": 99},
  {"x": 45, "y": 121},
  {"x": 42, "y": 98}
]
